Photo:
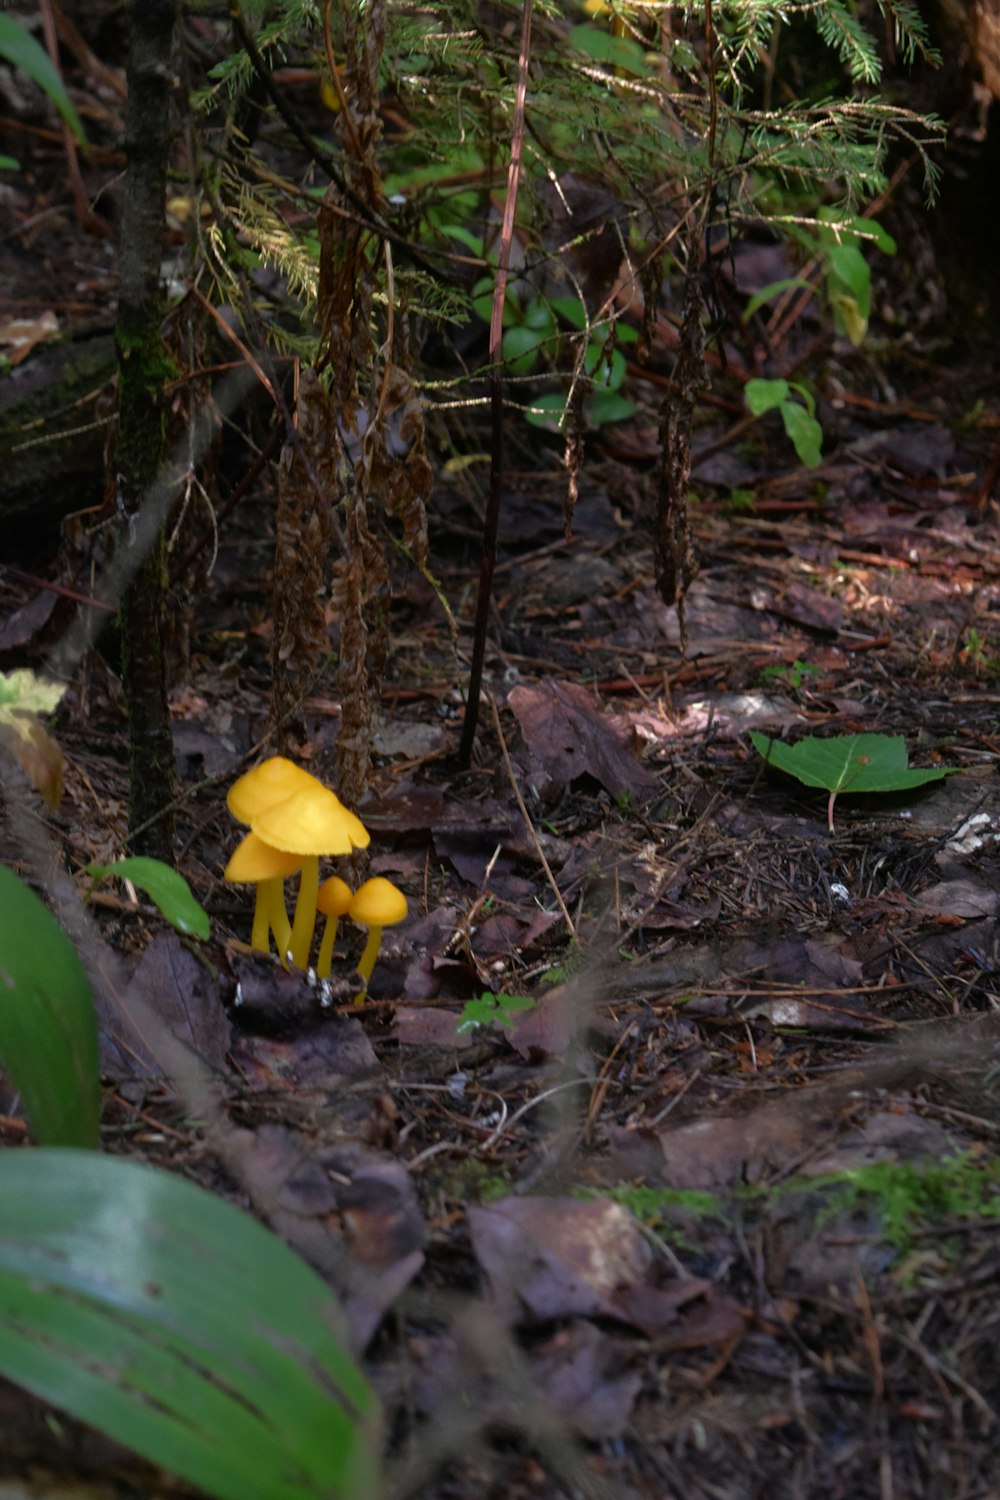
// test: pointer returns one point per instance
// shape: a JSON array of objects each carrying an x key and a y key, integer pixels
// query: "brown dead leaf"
[
  {"x": 582, "y": 1372},
  {"x": 967, "y": 899},
  {"x": 550, "y": 1258},
  {"x": 186, "y": 996},
  {"x": 569, "y": 737}
]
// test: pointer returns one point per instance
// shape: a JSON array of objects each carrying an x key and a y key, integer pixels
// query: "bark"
[{"x": 143, "y": 496}]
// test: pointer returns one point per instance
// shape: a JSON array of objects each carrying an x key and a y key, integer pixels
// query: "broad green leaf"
[
  {"x": 9, "y": 164},
  {"x": 572, "y": 309},
  {"x": 20, "y": 49},
  {"x": 520, "y": 348},
  {"x": 809, "y": 400},
  {"x": 804, "y": 431},
  {"x": 765, "y": 395},
  {"x": 179, "y": 1326},
  {"x": 547, "y": 411},
  {"x": 607, "y": 370},
  {"x": 472, "y": 242},
  {"x": 850, "y": 280},
  {"x": 848, "y": 763},
  {"x": 618, "y": 51},
  {"x": 848, "y": 318},
  {"x": 538, "y": 315},
  {"x": 165, "y": 888},
  {"x": 48, "y": 1034},
  {"x": 773, "y": 289},
  {"x": 609, "y": 406}
]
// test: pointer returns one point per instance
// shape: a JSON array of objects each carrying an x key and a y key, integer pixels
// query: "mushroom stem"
[
  {"x": 269, "y": 916},
  {"x": 304, "y": 921},
  {"x": 324, "y": 962},
  {"x": 273, "y": 894},
  {"x": 366, "y": 962},
  {"x": 259, "y": 936}
]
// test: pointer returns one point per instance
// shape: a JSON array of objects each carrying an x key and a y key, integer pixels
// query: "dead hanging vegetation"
[
  {"x": 607, "y": 249},
  {"x": 359, "y": 453}
]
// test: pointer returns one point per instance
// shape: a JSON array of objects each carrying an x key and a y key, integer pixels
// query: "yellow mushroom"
[
  {"x": 256, "y": 863},
  {"x": 311, "y": 822},
  {"x": 333, "y": 899},
  {"x": 271, "y": 781},
  {"x": 376, "y": 904}
]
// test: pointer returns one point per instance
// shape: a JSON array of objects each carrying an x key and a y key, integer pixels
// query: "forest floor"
[{"x": 712, "y": 1211}]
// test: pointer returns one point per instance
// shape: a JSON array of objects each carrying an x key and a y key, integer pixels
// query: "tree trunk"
[{"x": 143, "y": 491}]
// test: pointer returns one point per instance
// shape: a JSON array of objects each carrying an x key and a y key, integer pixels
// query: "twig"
[{"x": 491, "y": 525}]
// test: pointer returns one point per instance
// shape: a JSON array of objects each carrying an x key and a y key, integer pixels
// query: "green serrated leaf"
[
  {"x": 165, "y": 887},
  {"x": 179, "y": 1326},
  {"x": 848, "y": 763},
  {"x": 48, "y": 1034}
]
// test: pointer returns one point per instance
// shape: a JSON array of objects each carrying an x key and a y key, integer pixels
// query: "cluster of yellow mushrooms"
[{"x": 294, "y": 820}]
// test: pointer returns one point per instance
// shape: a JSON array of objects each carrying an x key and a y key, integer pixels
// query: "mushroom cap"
[
  {"x": 253, "y": 861},
  {"x": 334, "y": 897},
  {"x": 311, "y": 821},
  {"x": 377, "y": 903},
  {"x": 272, "y": 781}
]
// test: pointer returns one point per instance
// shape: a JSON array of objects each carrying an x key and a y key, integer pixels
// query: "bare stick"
[{"x": 491, "y": 525}]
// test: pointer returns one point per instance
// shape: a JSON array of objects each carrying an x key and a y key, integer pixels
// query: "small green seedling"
[
  {"x": 168, "y": 890},
  {"x": 848, "y": 763},
  {"x": 499, "y": 1009},
  {"x": 801, "y": 426},
  {"x": 792, "y": 673}
]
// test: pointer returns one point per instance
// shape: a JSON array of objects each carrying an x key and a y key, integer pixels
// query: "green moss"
[{"x": 914, "y": 1196}]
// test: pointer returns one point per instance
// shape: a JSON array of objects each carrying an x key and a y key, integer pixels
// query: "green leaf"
[
  {"x": 848, "y": 763},
  {"x": 492, "y": 1008},
  {"x": 472, "y": 242},
  {"x": 179, "y": 1326},
  {"x": 804, "y": 431},
  {"x": 520, "y": 348},
  {"x": 538, "y": 315},
  {"x": 618, "y": 51},
  {"x": 609, "y": 406},
  {"x": 607, "y": 370},
  {"x": 571, "y": 309},
  {"x": 764, "y": 395},
  {"x": 871, "y": 229},
  {"x": 48, "y": 1034},
  {"x": 547, "y": 411},
  {"x": 165, "y": 888},
  {"x": 20, "y": 49},
  {"x": 850, "y": 289}
]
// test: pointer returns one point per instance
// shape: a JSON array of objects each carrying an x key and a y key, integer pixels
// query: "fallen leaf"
[
  {"x": 569, "y": 737},
  {"x": 552, "y": 1258}
]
